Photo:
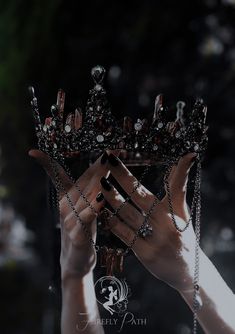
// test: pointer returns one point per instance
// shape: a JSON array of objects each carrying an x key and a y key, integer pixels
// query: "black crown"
[{"x": 97, "y": 129}]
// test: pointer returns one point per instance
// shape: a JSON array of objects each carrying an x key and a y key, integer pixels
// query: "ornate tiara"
[{"x": 169, "y": 133}]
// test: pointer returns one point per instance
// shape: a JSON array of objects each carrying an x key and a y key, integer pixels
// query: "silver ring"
[{"x": 146, "y": 231}]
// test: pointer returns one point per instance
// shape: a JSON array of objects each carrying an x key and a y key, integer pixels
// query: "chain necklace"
[
  {"x": 170, "y": 204},
  {"x": 145, "y": 222},
  {"x": 196, "y": 299},
  {"x": 126, "y": 200},
  {"x": 59, "y": 186},
  {"x": 116, "y": 211},
  {"x": 196, "y": 206}
]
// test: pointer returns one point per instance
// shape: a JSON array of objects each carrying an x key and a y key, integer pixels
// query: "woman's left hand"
[
  {"x": 168, "y": 254},
  {"x": 78, "y": 257}
]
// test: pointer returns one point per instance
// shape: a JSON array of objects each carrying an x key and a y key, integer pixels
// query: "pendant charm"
[
  {"x": 111, "y": 259},
  {"x": 146, "y": 230}
]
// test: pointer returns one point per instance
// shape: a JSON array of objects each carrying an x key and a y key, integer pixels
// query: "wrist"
[
  {"x": 187, "y": 285},
  {"x": 74, "y": 274},
  {"x": 76, "y": 267},
  {"x": 69, "y": 276}
]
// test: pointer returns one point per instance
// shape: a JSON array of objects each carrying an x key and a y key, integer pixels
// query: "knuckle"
[
  {"x": 68, "y": 220},
  {"x": 127, "y": 236}
]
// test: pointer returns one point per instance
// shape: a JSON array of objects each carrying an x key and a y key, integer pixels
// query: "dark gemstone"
[{"x": 98, "y": 73}]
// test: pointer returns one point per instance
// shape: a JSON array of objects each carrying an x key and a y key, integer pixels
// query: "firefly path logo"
[{"x": 112, "y": 294}]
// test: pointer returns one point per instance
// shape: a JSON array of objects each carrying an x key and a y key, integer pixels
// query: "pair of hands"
[{"x": 167, "y": 253}]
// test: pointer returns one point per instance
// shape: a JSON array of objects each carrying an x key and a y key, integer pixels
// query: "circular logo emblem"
[{"x": 112, "y": 294}]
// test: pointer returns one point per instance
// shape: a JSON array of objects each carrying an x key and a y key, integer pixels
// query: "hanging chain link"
[
  {"x": 196, "y": 302},
  {"x": 145, "y": 223},
  {"x": 170, "y": 202},
  {"x": 126, "y": 200},
  {"x": 59, "y": 186},
  {"x": 195, "y": 208}
]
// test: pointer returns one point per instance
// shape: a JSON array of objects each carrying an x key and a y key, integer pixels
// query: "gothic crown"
[{"x": 97, "y": 129}]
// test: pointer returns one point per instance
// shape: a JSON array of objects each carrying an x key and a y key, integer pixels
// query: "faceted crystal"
[
  {"x": 187, "y": 144},
  {"x": 100, "y": 138},
  {"x": 196, "y": 147},
  {"x": 54, "y": 110},
  {"x": 98, "y": 73},
  {"x": 67, "y": 128},
  {"x": 98, "y": 87},
  {"x": 177, "y": 135},
  {"x": 155, "y": 147},
  {"x": 138, "y": 126}
]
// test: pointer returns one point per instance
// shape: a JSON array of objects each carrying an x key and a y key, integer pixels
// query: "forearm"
[
  {"x": 79, "y": 307},
  {"x": 217, "y": 314}
]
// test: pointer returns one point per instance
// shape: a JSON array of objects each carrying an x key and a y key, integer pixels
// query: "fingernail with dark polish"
[
  {"x": 105, "y": 184},
  {"x": 113, "y": 160},
  {"x": 99, "y": 197},
  {"x": 104, "y": 158}
]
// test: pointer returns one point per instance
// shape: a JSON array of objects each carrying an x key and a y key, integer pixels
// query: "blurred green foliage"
[{"x": 26, "y": 38}]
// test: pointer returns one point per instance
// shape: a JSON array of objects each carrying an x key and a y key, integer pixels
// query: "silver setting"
[{"x": 146, "y": 231}]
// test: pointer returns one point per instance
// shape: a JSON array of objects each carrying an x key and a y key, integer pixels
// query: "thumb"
[
  {"x": 179, "y": 179},
  {"x": 47, "y": 163}
]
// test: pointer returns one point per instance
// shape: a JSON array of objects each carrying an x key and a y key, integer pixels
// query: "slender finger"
[
  {"x": 85, "y": 188},
  {"x": 75, "y": 223},
  {"x": 139, "y": 194},
  {"x": 88, "y": 182},
  {"x": 178, "y": 182},
  {"x": 88, "y": 215},
  {"x": 124, "y": 232},
  {"x": 172, "y": 172},
  {"x": 126, "y": 211},
  {"x": 76, "y": 202},
  {"x": 98, "y": 167}
]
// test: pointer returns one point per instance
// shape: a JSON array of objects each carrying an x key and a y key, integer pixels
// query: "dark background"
[{"x": 180, "y": 48}]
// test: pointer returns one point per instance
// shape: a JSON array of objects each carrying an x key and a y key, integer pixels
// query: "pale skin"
[{"x": 168, "y": 254}]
